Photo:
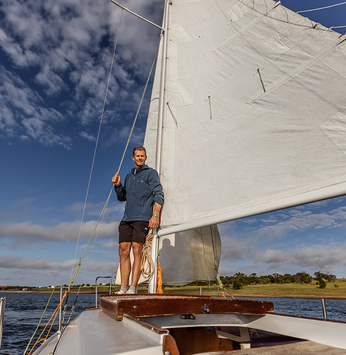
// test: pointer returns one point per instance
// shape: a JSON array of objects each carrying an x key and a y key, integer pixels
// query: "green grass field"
[{"x": 335, "y": 289}]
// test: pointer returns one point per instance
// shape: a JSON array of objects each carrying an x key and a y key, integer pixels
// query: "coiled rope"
[{"x": 147, "y": 263}]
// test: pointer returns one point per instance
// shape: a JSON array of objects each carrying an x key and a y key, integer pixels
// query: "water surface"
[{"x": 23, "y": 312}]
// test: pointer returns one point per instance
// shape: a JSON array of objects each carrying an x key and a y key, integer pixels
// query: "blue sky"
[{"x": 54, "y": 63}]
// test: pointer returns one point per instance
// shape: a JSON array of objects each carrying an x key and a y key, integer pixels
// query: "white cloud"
[
  {"x": 42, "y": 272},
  {"x": 50, "y": 81},
  {"x": 87, "y": 136},
  {"x": 30, "y": 119},
  {"x": 298, "y": 220},
  {"x": 111, "y": 244},
  {"x": 328, "y": 257},
  {"x": 24, "y": 263},
  {"x": 66, "y": 49},
  {"x": 31, "y": 233},
  {"x": 94, "y": 209},
  {"x": 234, "y": 249}
]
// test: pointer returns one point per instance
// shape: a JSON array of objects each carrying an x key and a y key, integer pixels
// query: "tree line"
[{"x": 239, "y": 279}]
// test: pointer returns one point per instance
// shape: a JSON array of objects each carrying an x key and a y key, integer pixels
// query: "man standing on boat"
[{"x": 143, "y": 194}]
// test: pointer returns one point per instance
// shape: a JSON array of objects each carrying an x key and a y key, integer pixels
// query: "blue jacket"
[{"x": 141, "y": 189}]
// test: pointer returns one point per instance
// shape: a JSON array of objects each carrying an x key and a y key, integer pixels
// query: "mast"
[{"x": 164, "y": 39}]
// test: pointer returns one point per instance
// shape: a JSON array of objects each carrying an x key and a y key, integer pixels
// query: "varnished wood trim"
[{"x": 170, "y": 345}]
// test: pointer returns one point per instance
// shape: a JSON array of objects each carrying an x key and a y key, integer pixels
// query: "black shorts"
[{"x": 133, "y": 231}]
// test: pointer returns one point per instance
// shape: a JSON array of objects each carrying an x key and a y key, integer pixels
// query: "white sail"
[
  {"x": 254, "y": 112},
  {"x": 190, "y": 255},
  {"x": 193, "y": 254}
]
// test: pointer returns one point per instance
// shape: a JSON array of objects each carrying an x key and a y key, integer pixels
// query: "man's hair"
[{"x": 139, "y": 148}]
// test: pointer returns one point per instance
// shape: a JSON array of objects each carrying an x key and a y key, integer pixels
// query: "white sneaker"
[
  {"x": 130, "y": 292},
  {"x": 121, "y": 292}
]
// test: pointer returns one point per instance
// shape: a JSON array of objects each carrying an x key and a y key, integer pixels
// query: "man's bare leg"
[
  {"x": 136, "y": 267},
  {"x": 125, "y": 262}
]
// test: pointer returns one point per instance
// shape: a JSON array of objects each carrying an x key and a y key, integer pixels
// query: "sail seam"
[
  {"x": 295, "y": 72},
  {"x": 170, "y": 110}
]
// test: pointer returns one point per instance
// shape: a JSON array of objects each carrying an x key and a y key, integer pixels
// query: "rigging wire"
[
  {"x": 96, "y": 144},
  {"x": 107, "y": 201},
  {"x": 86, "y": 268},
  {"x": 74, "y": 275},
  {"x": 137, "y": 113},
  {"x": 322, "y": 8},
  {"x": 127, "y": 144},
  {"x": 27, "y": 347},
  {"x": 92, "y": 249},
  {"x": 292, "y": 23}
]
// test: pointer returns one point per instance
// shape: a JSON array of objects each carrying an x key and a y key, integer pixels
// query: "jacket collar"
[{"x": 144, "y": 167}]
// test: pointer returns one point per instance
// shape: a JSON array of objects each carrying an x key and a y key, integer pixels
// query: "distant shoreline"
[{"x": 333, "y": 290}]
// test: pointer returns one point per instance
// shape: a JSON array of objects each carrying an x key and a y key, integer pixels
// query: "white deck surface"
[{"x": 94, "y": 332}]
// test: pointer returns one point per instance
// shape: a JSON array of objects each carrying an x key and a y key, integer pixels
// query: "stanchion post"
[
  {"x": 2, "y": 315},
  {"x": 60, "y": 317},
  {"x": 324, "y": 309}
]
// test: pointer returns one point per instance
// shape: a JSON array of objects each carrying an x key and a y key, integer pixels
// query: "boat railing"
[
  {"x": 2, "y": 314},
  {"x": 110, "y": 285}
]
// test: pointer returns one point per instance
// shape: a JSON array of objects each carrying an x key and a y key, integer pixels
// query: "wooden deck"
[{"x": 150, "y": 305}]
